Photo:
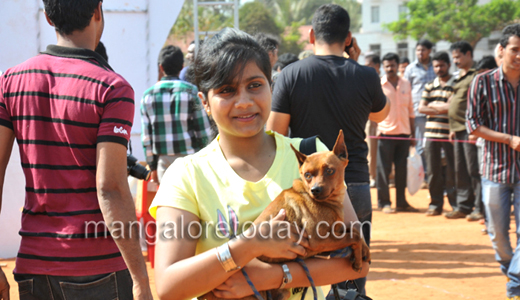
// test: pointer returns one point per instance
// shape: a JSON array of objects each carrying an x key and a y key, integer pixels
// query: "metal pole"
[
  {"x": 196, "y": 24},
  {"x": 236, "y": 14}
]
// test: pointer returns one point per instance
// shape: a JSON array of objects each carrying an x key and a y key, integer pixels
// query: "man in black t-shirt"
[{"x": 325, "y": 93}]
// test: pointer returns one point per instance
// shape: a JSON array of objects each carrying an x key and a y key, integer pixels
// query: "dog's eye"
[
  {"x": 308, "y": 176},
  {"x": 330, "y": 171}
]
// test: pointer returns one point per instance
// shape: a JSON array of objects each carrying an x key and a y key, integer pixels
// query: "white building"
[{"x": 373, "y": 38}]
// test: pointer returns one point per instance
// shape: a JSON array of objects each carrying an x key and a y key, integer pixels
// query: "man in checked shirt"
[
  {"x": 173, "y": 121},
  {"x": 494, "y": 115}
]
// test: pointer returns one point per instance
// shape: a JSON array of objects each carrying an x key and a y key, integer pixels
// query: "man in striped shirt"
[
  {"x": 494, "y": 115},
  {"x": 174, "y": 123},
  {"x": 71, "y": 115},
  {"x": 435, "y": 104}
]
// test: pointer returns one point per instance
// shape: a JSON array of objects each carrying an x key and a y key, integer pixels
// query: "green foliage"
[
  {"x": 354, "y": 10},
  {"x": 287, "y": 12},
  {"x": 278, "y": 17},
  {"x": 210, "y": 19},
  {"x": 255, "y": 17},
  {"x": 291, "y": 40},
  {"x": 454, "y": 20}
]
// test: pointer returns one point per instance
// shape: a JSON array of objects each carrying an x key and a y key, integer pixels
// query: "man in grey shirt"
[{"x": 419, "y": 73}]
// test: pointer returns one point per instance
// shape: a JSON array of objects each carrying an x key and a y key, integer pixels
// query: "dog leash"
[
  {"x": 340, "y": 253},
  {"x": 257, "y": 294},
  {"x": 308, "y": 273}
]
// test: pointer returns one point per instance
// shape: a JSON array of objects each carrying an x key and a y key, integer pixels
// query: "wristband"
[
  {"x": 287, "y": 277},
  {"x": 225, "y": 258}
]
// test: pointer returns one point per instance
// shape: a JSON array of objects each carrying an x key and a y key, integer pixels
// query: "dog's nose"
[{"x": 316, "y": 190}]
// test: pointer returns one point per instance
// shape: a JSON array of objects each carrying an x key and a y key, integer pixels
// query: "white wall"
[{"x": 135, "y": 31}]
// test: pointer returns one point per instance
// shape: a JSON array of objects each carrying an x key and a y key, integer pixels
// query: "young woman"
[{"x": 210, "y": 196}]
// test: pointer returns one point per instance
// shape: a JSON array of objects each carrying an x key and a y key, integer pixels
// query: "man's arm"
[
  {"x": 442, "y": 108},
  {"x": 278, "y": 122},
  {"x": 413, "y": 142},
  {"x": 198, "y": 123},
  {"x": 115, "y": 201},
  {"x": 380, "y": 115},
  {"x": 6, "y": 146},
  {"x": 491, "y": 135},
  {"x": 147, "y": 141},
  {"x": 426, "y": 109}
]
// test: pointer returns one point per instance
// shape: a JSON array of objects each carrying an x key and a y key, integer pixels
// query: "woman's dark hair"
[
  {"x": 70, "y": 15},
  {"x": 222, "y": 57}
]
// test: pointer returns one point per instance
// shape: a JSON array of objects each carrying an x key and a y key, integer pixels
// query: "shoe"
[
  {"x": 406, "y": 209},
  {"x": 474, "y": 216},
  {"x": 432, "y": 212},
  {"x": 456, "y": 214},
  {"x": 387, "y": 209}
]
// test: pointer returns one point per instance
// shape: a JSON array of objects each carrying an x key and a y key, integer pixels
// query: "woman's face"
[{"x": 241, "y": 108}]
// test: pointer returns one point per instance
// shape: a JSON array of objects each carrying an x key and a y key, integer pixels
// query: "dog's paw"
[
  {"x": 365, "y": 251},
  {"x": 356, "y": 264}
]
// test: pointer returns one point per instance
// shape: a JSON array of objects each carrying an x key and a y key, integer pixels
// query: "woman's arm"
[
  {"x": 267, "y": 276},
  {"x": 202, "y": 273}
]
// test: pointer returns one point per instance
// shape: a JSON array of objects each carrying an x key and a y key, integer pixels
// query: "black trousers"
[
  {"x": 440, "y": 178},
  {"x": 467, "y": 176},
  {"x": 392, "y": 152}
]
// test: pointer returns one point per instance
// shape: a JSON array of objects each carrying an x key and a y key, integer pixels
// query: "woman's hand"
[
  {"x": 277, "y": 238},
  {"x": 236, "y": 286}
]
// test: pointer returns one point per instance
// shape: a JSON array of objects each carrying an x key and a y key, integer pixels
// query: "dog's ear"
[
  {"x": 300, "y": 156},
  {"x": 340, "y": 149}
]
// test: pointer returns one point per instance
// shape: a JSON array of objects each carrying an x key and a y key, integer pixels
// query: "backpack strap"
[{"x": 308, "y": 145}]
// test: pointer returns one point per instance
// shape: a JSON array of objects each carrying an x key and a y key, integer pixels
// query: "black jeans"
[
  {"x": 469, "y": 186},
  {"x": 117, "y": 285},
  {"x": 359, "y": 193},
  {"x": 388, "y": 152},
  {"x": 439, "y": 178}
]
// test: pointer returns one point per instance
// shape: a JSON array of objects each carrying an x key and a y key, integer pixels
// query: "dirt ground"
[{"x": 418, "y": 257}]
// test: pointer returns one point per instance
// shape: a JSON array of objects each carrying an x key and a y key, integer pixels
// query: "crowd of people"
[{"x": 217, "y": 131}]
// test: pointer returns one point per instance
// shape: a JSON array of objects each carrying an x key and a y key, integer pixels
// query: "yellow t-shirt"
[{"x": 206, "y": 185}]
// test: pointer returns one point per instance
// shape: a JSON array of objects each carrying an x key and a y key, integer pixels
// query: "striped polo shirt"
[
  {"x": 60, "y": 104},
  {"x": 492, "y": 103},
  {"x": 437, "y": 126}
]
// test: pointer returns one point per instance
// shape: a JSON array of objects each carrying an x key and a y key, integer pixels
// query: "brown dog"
[{"x": 315, "y": 203}]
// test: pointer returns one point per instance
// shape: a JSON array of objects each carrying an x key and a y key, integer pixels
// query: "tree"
[
  {"x": 210, "y": 19},
  {"x": 354, "y": 10},
  {"x": 255, "y": 17},
  {"x": 454, "y": 20},
  {"x": 286, "y": 12},
  {"x": 291, "y": 39}
]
